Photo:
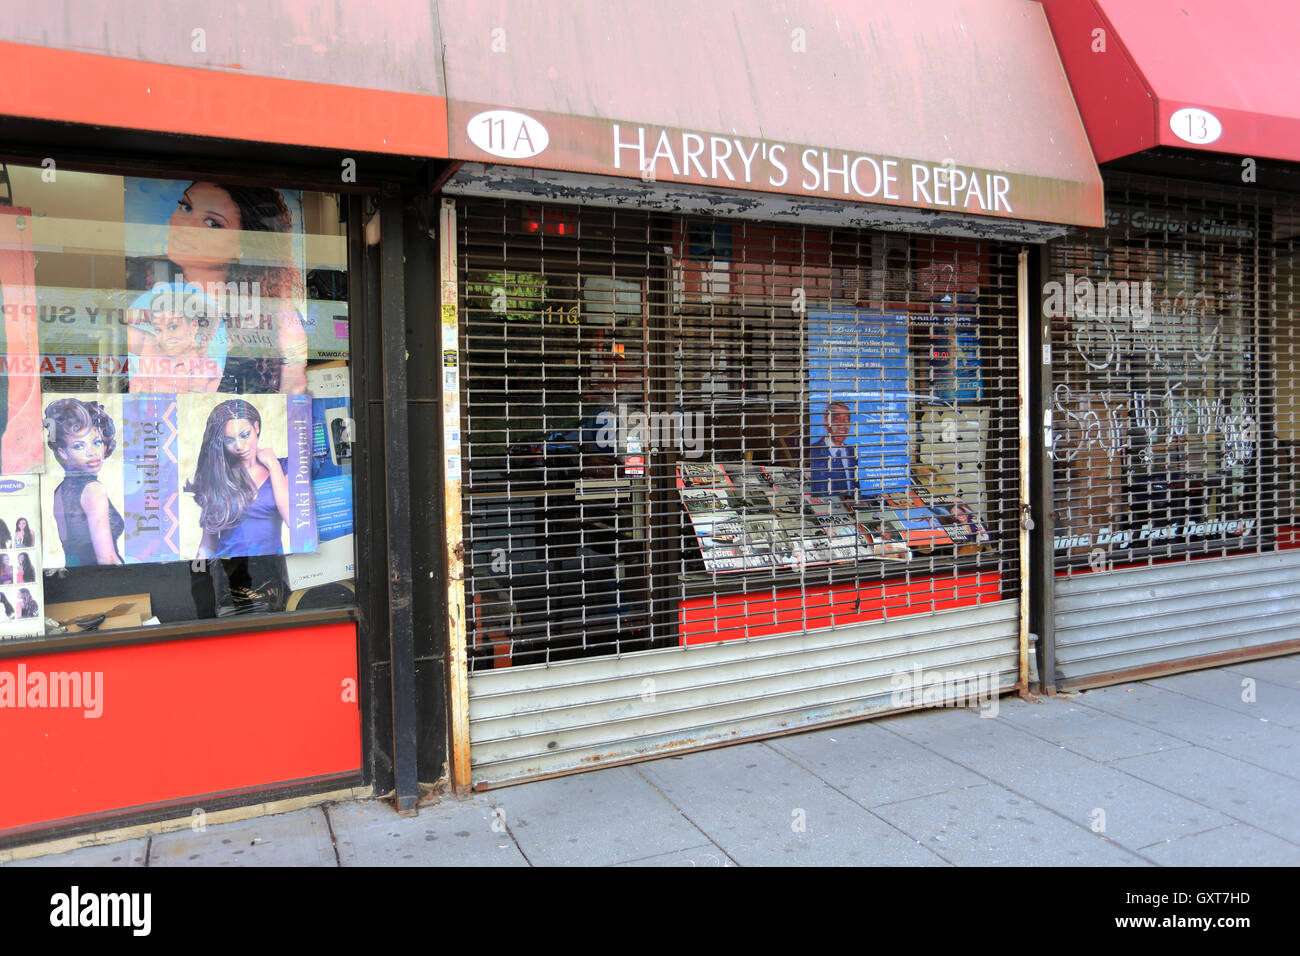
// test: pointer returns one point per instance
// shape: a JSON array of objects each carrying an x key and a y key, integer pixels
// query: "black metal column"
[{"x": 398, "y": 471}]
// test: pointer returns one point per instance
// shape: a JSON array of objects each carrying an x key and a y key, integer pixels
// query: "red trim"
[
  {"x": 50, "y": 84},
  {"x": 705, "y": 620},
  {"x": 180, "y": 719}
]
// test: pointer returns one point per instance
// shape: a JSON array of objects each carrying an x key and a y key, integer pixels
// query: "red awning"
[
  {"x": 951, "y": 105},
  {"x": 1215, "y": 75}
]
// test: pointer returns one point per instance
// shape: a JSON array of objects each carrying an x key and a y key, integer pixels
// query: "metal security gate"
[
  {"x": 725, "y": 479},
  {"x": 1173, "y": 411}
]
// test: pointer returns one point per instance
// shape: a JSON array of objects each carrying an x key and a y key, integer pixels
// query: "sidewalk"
[{"x": 1175, "y": 771}]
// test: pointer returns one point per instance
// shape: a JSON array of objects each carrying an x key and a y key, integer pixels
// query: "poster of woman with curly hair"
[
  {"x": 82, "y": 494},
  {"x": 240, "y": 246}
]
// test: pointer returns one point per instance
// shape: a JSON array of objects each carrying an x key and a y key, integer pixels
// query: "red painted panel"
[
  {"x": 1159, "y": 56},
  {"x": 178, "y": 719},
  {"x": 726, "y": 617},
  {"x": 1118, "y": 110},
  {"x": 1236, "y": 60},
  {"x": 43, "y": 83}
]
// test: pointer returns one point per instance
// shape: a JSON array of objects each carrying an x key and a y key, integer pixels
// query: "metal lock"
[{"x": 1026, "y": 518}]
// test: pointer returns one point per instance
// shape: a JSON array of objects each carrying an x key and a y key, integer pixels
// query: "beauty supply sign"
[{"x": 656, "y": 153}]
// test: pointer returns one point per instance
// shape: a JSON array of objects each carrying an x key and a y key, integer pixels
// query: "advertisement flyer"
[
  {"x": 20, "y": 355},
  {"x": 22, "y": 596},
  {"x": 241, "y": 247},
  {"x": 137, "y": 479},
  {"x": 331, "y": 482},
  {"x": 858, "y": 380}
]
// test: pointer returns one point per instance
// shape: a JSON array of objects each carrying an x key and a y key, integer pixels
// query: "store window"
[
  {"x": 177, "y": 430},
  {"x": 1173, "y": 378},
  {"x": 686, "y": 430}
]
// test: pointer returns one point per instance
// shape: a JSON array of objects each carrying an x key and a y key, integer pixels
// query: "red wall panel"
[
  {"x": 789, "y": 610},
  {"x": 179, "y": 719}
]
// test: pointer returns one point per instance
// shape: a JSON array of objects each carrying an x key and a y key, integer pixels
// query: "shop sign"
[{"x": 651, "y": 152}]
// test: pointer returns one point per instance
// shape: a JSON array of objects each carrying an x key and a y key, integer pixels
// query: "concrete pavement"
[{"x": 1198, "y": 769}]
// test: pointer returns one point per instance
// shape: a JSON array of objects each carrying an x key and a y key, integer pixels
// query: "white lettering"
[
  {"x": 853, "y": 177},
  {"x": 693, "y": 155},
  {"x": 638, "y": 147},
  {"x": 1000, "y": 187},
  {"x": 806, "y": 157},
  {"x": 890, "y": 167},
  {"x": 772, "y": 158},
  {"x": 720, "y": 160},
  {"x": 920, "y": 176}
]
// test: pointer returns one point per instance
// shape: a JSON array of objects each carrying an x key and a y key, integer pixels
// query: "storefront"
[
  {"x": 1170, "y": 394},
  {"x": 202, "y": 603},
  {"x": 733, "y": 388}
]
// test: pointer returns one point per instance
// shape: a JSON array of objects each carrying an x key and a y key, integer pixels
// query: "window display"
[
  {"x": 175, "y": 404},
  {"x": 660, "y": 412}
]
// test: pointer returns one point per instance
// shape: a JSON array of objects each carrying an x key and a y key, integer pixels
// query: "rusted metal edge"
[
  {"x": 544, "y": 185},
  {"x": 1166, "y": 668},
  {"x": 1026, "y": 510},
  {"x": 449, "y": 378}
]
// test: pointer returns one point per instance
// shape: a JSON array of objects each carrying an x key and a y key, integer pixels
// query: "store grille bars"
[
  {"x": 683, "y": 432},
  {"x": 1174, "y": 411}
]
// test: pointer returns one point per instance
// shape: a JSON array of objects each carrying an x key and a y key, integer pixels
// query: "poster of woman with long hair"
[
  {"x": 244, "y": 247},
  {"x": 247, "y": 477}
]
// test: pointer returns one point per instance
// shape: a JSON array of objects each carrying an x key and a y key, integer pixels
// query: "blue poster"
[{"x": 858, "y": 394}]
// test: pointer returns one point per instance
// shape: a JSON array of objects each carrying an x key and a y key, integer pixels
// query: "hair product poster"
[
  {"x": 244, "y": 248},
  {"x": 331, "y": 483},
  {"x": 22, "y": 597},
  {"x": 20, "y": 383},
  {"x": 82, "y": 495},
  {"x": 128, "y": 480},
  {"x": 246, "y": 475},
  {"x": 111, "y": 493}
]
